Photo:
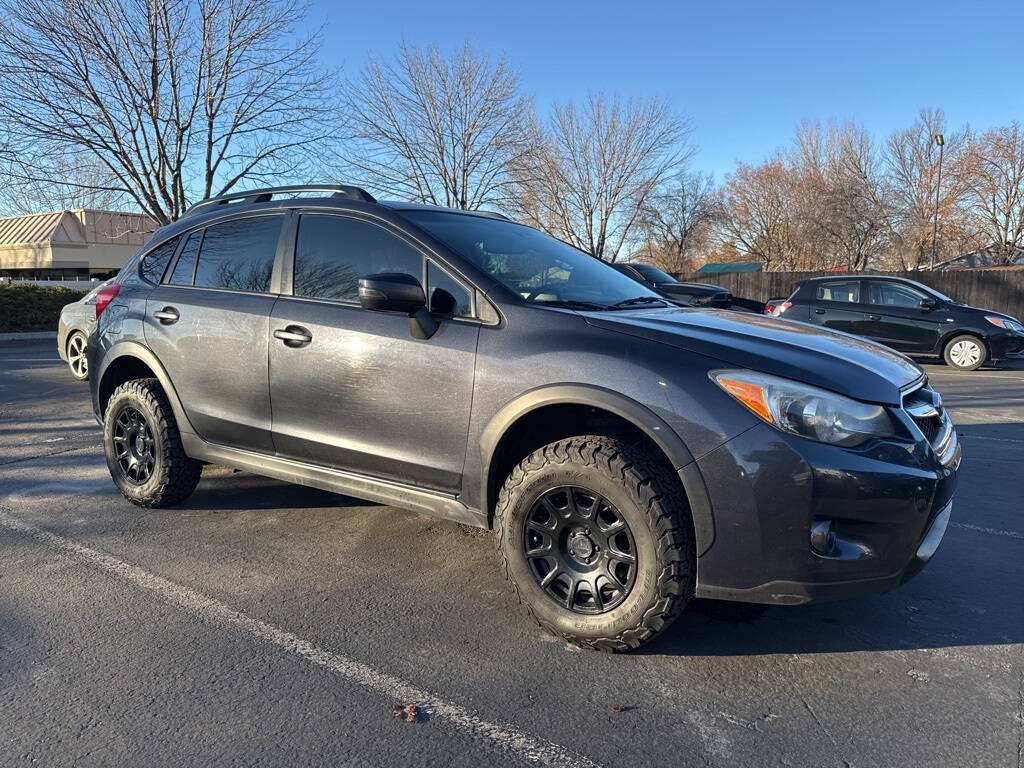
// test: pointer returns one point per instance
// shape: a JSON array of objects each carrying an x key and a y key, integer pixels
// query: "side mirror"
[
  {"x": 928, "y": 304},
  {"x": 398, "y": 292}
]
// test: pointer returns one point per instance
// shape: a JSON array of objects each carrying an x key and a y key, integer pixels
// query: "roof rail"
[{"x": 265, "y": 195}]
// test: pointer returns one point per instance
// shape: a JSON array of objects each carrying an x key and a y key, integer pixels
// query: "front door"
[
  {"x": 837, "y": 305},
  {"x": 897, "y": 319},
  {"x": 208, "y": 325},
  {"x": 353, "y": 389}
]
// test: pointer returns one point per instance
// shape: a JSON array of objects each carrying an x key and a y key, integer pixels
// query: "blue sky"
[{"x": 744, "y": 73}]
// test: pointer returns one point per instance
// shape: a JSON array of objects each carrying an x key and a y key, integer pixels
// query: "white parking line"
[
  {"x": 507, "y": 738},
  {"x": 993, "y": 531}
]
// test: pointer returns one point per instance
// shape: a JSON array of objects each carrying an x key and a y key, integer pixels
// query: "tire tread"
[
  {"x": 661, "y": 497},
  {"x": 178, "y": 475}
]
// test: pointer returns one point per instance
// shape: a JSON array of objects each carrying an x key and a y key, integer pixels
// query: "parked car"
[
  {"x": 776, "y": 306},
  {"x": 908, "y": 316},
  {"x": 629, "y": 454},
  {"x": 698, "y": 294},
  {"x": 73, "y": 326}
]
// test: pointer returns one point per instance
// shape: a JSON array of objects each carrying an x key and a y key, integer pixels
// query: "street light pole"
[{"x": 938, "y": 186}]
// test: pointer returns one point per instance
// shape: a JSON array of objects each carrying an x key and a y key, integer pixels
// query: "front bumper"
[
  {"x": 1006, "y": 344},
  {"x": 890, "y": 504}
]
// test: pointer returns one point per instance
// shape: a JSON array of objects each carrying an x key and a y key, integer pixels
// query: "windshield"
[
  {"x": 653, "y": 274},
  {"x": 539, "y": 268}
]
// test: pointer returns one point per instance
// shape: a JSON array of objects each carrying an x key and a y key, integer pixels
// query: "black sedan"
[
  {"x": 908, "y": 316},
  {"x": 698, "y": 294}
]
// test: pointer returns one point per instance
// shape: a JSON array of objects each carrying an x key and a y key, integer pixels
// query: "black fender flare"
[
  {"x": 635, "y": 413},
  {"x": 141, "y": 353}
]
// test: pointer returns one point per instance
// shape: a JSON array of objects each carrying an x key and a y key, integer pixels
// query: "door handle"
[
  {"x": 819, "y": 311},
  {"x": 167, "y": 315},
  {"x": 293, "y": 336},
  {"x": 874, "y": 317}
]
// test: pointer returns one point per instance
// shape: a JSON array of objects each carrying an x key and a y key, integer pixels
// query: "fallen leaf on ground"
[{"x": 410, "y": 713}]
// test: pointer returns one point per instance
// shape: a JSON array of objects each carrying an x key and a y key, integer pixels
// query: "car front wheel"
[
  {"x": 967, "y": 353},
  {"x": 597, "y": 542}
]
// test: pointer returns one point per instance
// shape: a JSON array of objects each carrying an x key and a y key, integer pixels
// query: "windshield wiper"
[
  {"x": 638, "y": 300},
  {"x": 570, "y": 304}
]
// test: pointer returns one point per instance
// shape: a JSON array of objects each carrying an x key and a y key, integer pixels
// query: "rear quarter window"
[{"x": 154, "y": 263}]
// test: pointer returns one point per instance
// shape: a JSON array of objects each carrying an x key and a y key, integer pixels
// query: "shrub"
[{"x": 28, "y": 307}]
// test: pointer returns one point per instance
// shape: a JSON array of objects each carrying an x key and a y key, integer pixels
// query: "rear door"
[
  {"x": 208, "y": 324},
  {"x": 837, "y": 304},
  {"x": 358, "y": 392},
  {"x": 896, "y": 319}
]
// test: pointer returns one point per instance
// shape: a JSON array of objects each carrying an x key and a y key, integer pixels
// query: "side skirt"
[{"x": 338, "y": 481}]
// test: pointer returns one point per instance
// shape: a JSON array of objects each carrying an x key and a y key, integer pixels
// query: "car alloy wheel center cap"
[{"x": 582, "y": 546}]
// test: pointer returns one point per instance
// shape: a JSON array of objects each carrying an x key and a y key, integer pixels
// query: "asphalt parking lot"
[{"x": 266, "y": 624}]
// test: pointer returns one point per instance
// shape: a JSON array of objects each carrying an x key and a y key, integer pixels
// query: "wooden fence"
[{"x": 999, "y": 290}]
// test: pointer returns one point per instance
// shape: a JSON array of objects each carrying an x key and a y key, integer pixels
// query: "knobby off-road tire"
[
  {"x": 143, "y": 410},
  {"x": 965, "y": 353},
  {"x": 646, "y": 496}
]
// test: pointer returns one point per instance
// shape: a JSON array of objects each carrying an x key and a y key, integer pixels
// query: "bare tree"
[
  {"x": 761, "y": 218},
  {"x": 841, "y": 196},
  {"x": 173, "y": 100},
  {"x": 995, "y": 179},
  {"x": 597, "y": 166},
  {"x": 678, "y": 221},
  {"x": 911, "y": 161},
  {"x": 84, "y": 184},
  {"x": 445, "y": 131}
]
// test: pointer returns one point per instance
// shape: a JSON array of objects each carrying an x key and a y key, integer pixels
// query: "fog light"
[{"x": 823, "y": 535}]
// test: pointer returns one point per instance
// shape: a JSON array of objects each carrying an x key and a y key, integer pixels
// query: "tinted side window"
[
  {"x": 333, "y": 252},
  {"x": 186, "y": 266},
  {"x": 847, "y": 291},
  {"x": 894, "y": 295},
  {"x": 155, "y": 262},
  {"x": 447, "y": 295},
  {"x": 239, "y": 255}
]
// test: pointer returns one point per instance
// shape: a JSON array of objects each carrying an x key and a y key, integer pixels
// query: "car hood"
[
  {"x": 969, "y": 310},
  {"x": 836, "y": 361}
]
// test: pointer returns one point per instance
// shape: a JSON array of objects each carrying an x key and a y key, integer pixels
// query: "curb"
[{"x": 28, "y": 335}]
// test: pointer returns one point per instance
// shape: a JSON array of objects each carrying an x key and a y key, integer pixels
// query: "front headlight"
[
  {"x": 1005, "y": 322},
  {"x": 807, "y": 411}
]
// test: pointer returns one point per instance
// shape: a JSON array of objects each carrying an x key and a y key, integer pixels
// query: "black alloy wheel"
[
  {"x": 580, "y": 550},
  {"x": 133, "y": 446}
]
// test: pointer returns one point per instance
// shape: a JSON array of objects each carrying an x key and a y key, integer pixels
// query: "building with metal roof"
[
  {"x": 722, "y": 267},
  {"x": 69, "y": 245}
]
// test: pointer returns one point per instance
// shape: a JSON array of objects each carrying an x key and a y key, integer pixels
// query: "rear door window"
[
  {"x": 239, "y": 255},
  {"x": 845, "y": 291}
]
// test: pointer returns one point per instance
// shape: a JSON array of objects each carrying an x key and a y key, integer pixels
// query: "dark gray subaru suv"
[{"x": 629, "y": 454}]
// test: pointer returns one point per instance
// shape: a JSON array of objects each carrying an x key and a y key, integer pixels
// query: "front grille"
[
  {"x": 929, "y": 427},
  {"x": 924, "y": 407}
]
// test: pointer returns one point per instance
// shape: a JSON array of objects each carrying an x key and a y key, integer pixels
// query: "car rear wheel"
[
  {"x": 966, "y": 353},
  {"x": 597, "y": 541},
  {"x": 143, "y": 447},
  {"x": 77, "y": 360}
]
